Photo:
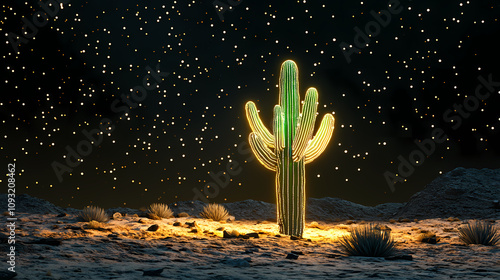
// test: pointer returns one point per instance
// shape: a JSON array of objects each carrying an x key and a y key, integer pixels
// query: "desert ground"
[
  {"x": 54, "y": 243},
  {"x": 52, "y": 247}
]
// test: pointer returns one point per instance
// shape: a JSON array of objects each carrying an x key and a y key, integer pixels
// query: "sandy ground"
[{"x": 125, "y": 249}]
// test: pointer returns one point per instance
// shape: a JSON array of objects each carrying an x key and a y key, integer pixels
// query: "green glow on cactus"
[{"x": 290, "y": 146}]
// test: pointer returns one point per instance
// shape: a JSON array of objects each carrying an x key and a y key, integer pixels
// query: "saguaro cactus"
[{"x": 290, "y": 146}]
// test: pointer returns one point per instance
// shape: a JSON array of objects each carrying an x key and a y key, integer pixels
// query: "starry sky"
[{"x": 391, "y": 72}]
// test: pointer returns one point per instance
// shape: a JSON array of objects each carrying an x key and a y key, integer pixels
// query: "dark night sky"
[{"x": 398, "y": 89}]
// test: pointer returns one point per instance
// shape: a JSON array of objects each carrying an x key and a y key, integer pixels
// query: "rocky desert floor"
[{"x": 51, "y": 246}]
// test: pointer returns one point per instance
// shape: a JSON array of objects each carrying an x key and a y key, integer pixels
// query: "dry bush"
[
  {"x": 369, "y": 241},
  {"x": 157, "y": 211},
  {"x": 479, "y": 232},
  {"x": 215, "y": 212},
  {"x": 94, "y": 213}
]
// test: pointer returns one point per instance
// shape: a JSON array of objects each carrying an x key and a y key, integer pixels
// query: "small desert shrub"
[
  {"x": 368, "y": 241},
  {"x": 479, "y": 232},
  {"x": 94, "y": 213},
  {"x": 159, "y": 210},
  {"x": 215, "y": 212}
]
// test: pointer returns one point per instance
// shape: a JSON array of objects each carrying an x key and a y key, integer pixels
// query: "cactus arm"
[
  {"x": 306, "y": 125},
  {"x": 262, "y": 152},
  {"x": 256, "y": 124},
  {"x": 318, "y": 144},
  {"x": 278, "y": 132}
]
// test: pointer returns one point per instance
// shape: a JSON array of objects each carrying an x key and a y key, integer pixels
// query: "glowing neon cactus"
[{"x": 290, "y": 146}]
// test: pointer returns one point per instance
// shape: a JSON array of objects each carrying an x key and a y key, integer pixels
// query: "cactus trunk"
[
  {"x": 290, "y": 146},
  {"x": 290, "y": 191}
]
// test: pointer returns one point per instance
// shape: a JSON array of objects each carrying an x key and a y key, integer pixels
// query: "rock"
[
  {"x": 462, "y": 193},
  {"x": 388, "y": 210},
  {"x": 117, "y": 216},
  {"x": 231, "y": 234},
  {"x": 252, "y": 234},
  {"x": 231, "y": 218},
  {"x": 177, "y": 224},
  {"x": 190, "y": 224},
  {"x": 194, "y": 230},
  {"x": 155, "y": 272},
  {"x": 62, "y": 215},
  {"x": 28, "y": 204},
  {"x": 183, "y": 215},
  {"x": 329, "y": 209},
  {"x": 220, "y": 229},
  {"x": 430, "y": 240},
  {"x": 154, "y": 227},
  {"x": 400, "y": 257},
  {"x": 291, "y": 256},
  {"x": 251, "y": 210},
  {"x": 294, "y": 238}
]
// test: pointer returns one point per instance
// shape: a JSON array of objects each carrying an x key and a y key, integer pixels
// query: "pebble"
[
  {"x": 155, "y": 272},
  {"x": 231, "y": 234},
  {"x": 291, "y": 256},
  {"x": 153, "y": 227},
  {"x": 190, "y": 224},
  {"x": 253, "y": 235}
]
